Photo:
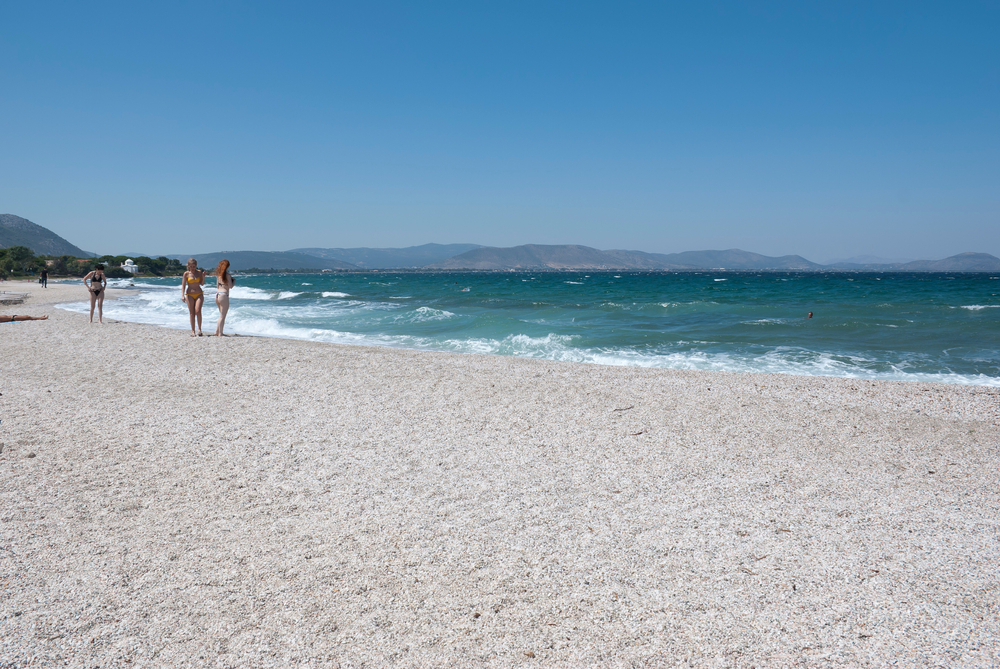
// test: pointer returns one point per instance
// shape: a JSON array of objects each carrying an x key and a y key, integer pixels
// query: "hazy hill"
[
  {"x": 244, "y": 260},
  {"x": 643, "y": 260},
  {"x": 963, "y": 262},
  {"x": 411, "y": 256},
  {"x": 864, "y": 260},
  {"x": 737, "y": 259},
  {"x": 17, "y": 231},
  {"x": 532, "y": 256},
  {"x": 535, "y": 256}
]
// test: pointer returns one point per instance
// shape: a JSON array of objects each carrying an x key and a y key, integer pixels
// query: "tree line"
[{"x": 22, "y": 261}]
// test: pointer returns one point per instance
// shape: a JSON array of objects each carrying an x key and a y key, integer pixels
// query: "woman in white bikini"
[
  {"x": 192, "y": 292},
  {"x": 98, "y": 282},
  {"x": 224, "y": 282}
]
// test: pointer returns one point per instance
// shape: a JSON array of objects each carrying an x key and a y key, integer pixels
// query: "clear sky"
[{"x": 824, "y": 129}]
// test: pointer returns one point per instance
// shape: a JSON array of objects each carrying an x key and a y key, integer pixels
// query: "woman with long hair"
[
  {"x": 224, "y": 282},
  {"x": 192, "y": 293},
  {"x": 98, "y": 282}
]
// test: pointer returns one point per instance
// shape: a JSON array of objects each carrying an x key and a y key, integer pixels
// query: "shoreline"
[
  {"x": 256, "y": 500},
  {"x": 819, "y": 365}
]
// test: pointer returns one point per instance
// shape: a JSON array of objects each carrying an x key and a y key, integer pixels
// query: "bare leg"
[
  {"x": 197, "y": 307},
  {"x": 100, "y": 307},
  {"x": 93, "y": 301},
  {"x": 222, "y": 301},
  {"x": 190, "y": 303}
]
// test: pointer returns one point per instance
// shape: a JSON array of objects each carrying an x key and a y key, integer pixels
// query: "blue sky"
[{"x": 824, "y": 129}]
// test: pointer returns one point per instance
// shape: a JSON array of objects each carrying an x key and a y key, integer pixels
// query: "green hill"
[{"x": 17, "y": 231}]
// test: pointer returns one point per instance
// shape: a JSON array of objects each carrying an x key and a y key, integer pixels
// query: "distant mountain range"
[
  {"x": 17, "y": 231},
  {"x": 410, "y": 257},
  {"x": 869, "y": 260},
  {"x": 575, "y": 257},
  {"x": 244, "y": 260}
]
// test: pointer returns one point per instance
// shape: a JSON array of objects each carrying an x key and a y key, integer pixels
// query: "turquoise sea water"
[{"x": 931, "y": 327}]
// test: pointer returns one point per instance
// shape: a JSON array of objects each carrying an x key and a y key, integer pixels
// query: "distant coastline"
[{"x": 30, "y": 238}]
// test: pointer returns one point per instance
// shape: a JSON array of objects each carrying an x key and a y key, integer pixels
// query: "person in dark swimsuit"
[
  {"x": 17, "y": 319},
  {"x": 98, "y": 282}
]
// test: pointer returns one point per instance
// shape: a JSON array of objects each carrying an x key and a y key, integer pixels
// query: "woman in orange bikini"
[
  {"x": 192, "y": 292},
  {"x": 98, "y": 282}
]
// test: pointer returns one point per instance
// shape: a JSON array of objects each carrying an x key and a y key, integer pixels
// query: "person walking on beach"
[
  {"x": 192, "y": 293},
  {"x": 98, "y": 282},
  {"x": 224, "y": 282},
  {"x": 43, "y": 278}
]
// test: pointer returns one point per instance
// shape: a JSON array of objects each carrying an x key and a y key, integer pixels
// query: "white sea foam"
[
  {"x": 333, "y": 293},
  {"x": 306, "y": 284},
  {"x": 287, "y": 295},
  {"x": 130, "y": 283},
  {"x": 247, "y": 293},
  {"x": 575, "y": 283},
  {"x": 978, "y": 307},
  {"x": 423, "y": 315},
  {"x": 721, "y": 279}
]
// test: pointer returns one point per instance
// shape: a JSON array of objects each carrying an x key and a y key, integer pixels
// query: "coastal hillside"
[
  {"x": 537, "y": 256},
  {"x": 385, "y": 258},
  {"x": 17, "y": 231},
  {"x": 739, "y": 259},
  {"x": 276, "y": 260},
  {"x": 963, "y": 262}
]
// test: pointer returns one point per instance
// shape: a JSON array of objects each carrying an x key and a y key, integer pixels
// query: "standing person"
[
  {"x": 98, "y": 282},
  {"x": 45, "y": 278},
  {"x": 192, "y": 293},
  {"x": 224, "y": 281}
]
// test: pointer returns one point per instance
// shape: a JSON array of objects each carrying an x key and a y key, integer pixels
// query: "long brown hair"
[{"x": 222, "y": 270}]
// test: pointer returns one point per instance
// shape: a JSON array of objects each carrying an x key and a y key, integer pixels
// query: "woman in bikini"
[
  {"x": 224, "y": 282},
  {"x": 192, "y": 293},
  {"x": 98, "y": 282}
]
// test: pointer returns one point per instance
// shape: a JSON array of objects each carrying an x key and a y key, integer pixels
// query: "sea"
[{"x": 909, "y": 327}]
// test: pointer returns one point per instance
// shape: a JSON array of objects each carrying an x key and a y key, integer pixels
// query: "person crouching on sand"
[
  {"x": 98, "y": 282},
  {"x": 192, "y": 292},
  {"x": 224, "y": 282}
]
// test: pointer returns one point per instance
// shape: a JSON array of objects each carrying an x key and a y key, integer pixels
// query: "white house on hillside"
[{"x": 130, "y": 266}]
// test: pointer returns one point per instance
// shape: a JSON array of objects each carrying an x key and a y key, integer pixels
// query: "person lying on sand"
[{"x": 11, "y": 319}]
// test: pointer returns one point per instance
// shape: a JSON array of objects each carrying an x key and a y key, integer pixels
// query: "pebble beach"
[{"x": 247, "y": 501}]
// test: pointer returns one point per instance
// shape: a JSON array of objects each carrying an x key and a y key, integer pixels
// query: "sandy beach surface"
[{"x": 176, "y": 501}]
